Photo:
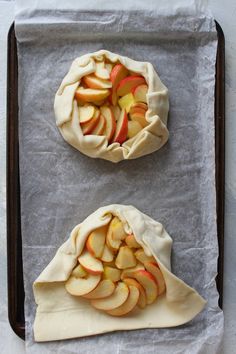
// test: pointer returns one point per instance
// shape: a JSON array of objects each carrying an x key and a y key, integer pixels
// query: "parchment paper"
[{"x": 175, "y": 185}]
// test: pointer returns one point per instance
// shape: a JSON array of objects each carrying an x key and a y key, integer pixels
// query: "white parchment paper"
[{"x": 175, "y": 185}]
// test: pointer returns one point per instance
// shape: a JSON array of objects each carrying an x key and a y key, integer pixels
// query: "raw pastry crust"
[
  {"x": 148, "y": 140},
  {"x": 60, "y": 315}
]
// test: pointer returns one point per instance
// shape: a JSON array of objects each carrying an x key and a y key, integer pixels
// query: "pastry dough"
[
  {"x": 148, "y": 140},
  {"x": 60, "y": 315}
]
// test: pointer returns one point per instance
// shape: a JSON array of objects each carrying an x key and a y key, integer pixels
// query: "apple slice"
[
  {"x": 86, "y": 113},
  {"x": 131, "y": 241},
  {"x": 139, "y": 117},
  {"x": 121, "y": 128},
  {"x": 142, "y": 301},
  {"x": 95, "y": 83},
  {"x": 140, "y": 93},
  {"x": 126, "y": 102},
  {"x": 130, "y": 272},
  {"x": 117, "y": 229},
  {"x": 104, "y": 289},
  {"x": 128, "y": 84},
  {"x": 96, "y": 241},
  {"x": 128, "y": 305},
  {"x": 111, "y": 273},
  {"x": 100, "y": 127},
  {"x": 118, "y": 73},
  {"x": 156, "y": 272},
  {"x": 142, "y": 257},
  {"x": 107, "y": 255},
  {"x": 109, "y": 67},
  {"x": 133, "y": 129},
  {"x": 90, "y": 264},
  {"x": 125, "y": 258},
  {"x": 87, "y": 128},
  {"x": 101, "y": 71},
  {"x": 82, "y": 286},
  {"x": 79, "y": 272},
  {"x": 149, "y": 284},
  {"x": 140, "y": 105},
  {"x": 91, "y": 95},
  {"x": 119, "y": 296},
  {"x": 110, "y": 122},
  {"x": 116, "y": 111}
]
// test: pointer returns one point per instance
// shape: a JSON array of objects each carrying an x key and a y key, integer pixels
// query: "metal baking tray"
[{"x": 14, "y": 245}]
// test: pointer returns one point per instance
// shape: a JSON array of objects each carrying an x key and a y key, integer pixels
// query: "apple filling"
[
  {"x": 114, "y": 273},
  {"x": 112, "y": 102}
]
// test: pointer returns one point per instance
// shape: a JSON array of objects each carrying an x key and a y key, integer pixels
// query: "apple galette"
[
  {"x": 112, "y": 107},
  {"x": 115, "y": 263}
]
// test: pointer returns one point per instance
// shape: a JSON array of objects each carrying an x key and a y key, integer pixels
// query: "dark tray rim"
[{"x": 14, "y": 245}]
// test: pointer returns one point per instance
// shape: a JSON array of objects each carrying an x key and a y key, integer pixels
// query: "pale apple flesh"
[
  {"x": 101, "y": 71},
  {"x": 107, "y": 255},
  {"x": 87, "y": 128},
  {"x": 95, "y": 83},
  {"x": 128, "y": 84},
  {"x": 118, "y": 297},
  {"x": 82, "y": 286},
  {"x": 131, "y": 241},
  {"x": 111, "y": 273},
  {"x": 133, "y": 129},
  {"x": 126, "y": 102},
  {"x": 100, "y": 127},
  {"x": 117, "y": 229},
  {"x": 142, "y": 257},
  {"x": 79, "y": 272},
  {"x": 140, "y": 118},
  {"x": 142, "y": 301},
  {"x": 86, "y": 113},
  {"x": 149, "y": 284},
  {"x": 140, "y": 93},
  {"x": 96, "y": 241},
  {"x": 110, "y": 122},
  {"x": 128, "y": 305},
  {"x": 89, "y": 263},
  {"x": 130, "y": 272},
  {"x": 125, "y": 258},
  {"x": 156, "y": 272},
  {"x": 104, "y": 289},
  {"x": 91, "y": 95},
  {"x": 121, "y": 128}
]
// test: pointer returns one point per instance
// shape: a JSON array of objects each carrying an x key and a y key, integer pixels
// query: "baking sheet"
[{"x": 60, "y": 186}]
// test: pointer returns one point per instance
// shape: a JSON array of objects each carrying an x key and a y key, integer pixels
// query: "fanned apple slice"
[
  {"x": 133, "y": 129},
  {"x": 82, "y": 286},
  {"x": 130, "y": 272},
  {"x": 142, "y": 257},
  {"x": 128, "y": 305},
  {"x": 91, "y": 95},
  {"x": 126, "y": 102},
  {"x": 101, "y": 71},
  {"x": 156, "y": 272},
  {"x": 119, "y": 296},
  {"x": 142, "y": 300},
  {"x": 139, "y": 117},
  {"x": 104, "y": 289},
  {"x": 121, "y": 128},
  {"x": 79, "y": 272},
  {"x": 111, "y": 273},
  {"x": 107, "y": 255},
  {"x": 86, "y": 113},
  {"x": 149, "y": 284},
  {"x": 95, "y": 83},
  {"x": 87, "y": 128},
  {"x": 118, "y": 73},
  {"x": 140, "y": 93},
  {"x": 125, "y": 258},
  {"x": 131, "y": 241},
  {"x": 117, "y": 229},
  {"x": 110, "y": 122},
  {"x": 128, "y": 84},
  {"x": 100, "y": 127},
  {"x": 90, "y": 264},
  {"x": 96, "y": 241}
]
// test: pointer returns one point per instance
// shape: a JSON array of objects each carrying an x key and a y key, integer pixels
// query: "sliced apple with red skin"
[
  {"x": 82, "y": 286},
  {"x": 140, "y": 93},
  {"x": 104, "y": 289},
  {"x": 101, "y": 71},
  {"x": 139, "y": 117},
  {"x": 142, "y": 257},
  {"x": 127, "y": 84},
  {"x": 87, "y": 128},
  {"x": 142, "y": 301},
  {"x": 116, "y": 111},
  {"x": 100, "y": 127},
  {"x": 128, "y": 305},
  {"x": 156, "y": 272},
  {"x": 131, "y": 241},
  {"x": 86, "y": 113},
  {"x": 140, "y": 105},
  {"x": 96, "y": 241},
  {"x": 90, "y": 264},
  {"x": 79, "y": 272},
  {"x": 130, "y": 272},
  {"x": 111, "y": 273},
  {"x": 121, "y": 128},
  {"x": 149, "y": 284},
  {"x": 107, "y": 255},
  {"x": 110, "y": 122},
  {"x": 125, "y": 258},
  {"x": 118, "y": 73},
  {"x": 91, "y": 95},
  {"x": 94, "y": 82},
  {"x": 118, "y": 297},
  {"x": 133, "y": 129}
]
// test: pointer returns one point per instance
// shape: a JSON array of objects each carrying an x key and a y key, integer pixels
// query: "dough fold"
[
  {"x": 61, "y": 316},
  {"x": 150, "y": 139}
]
